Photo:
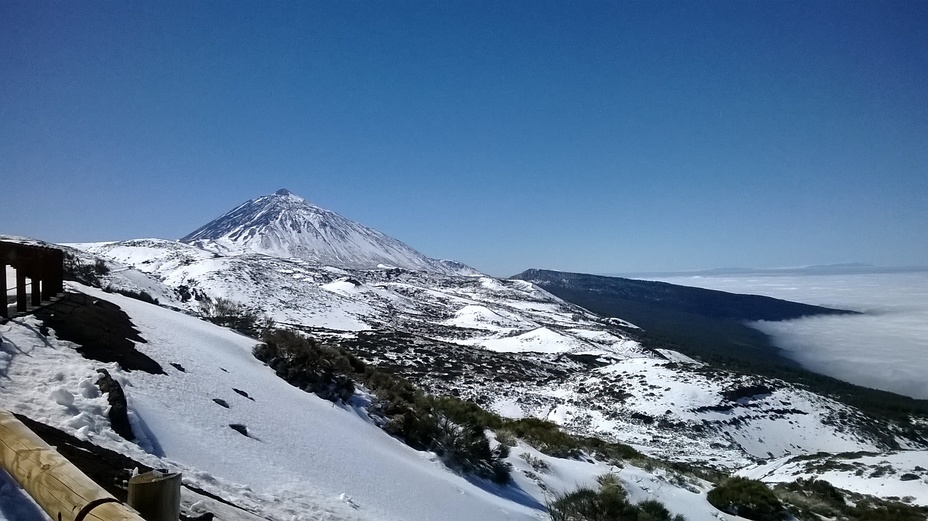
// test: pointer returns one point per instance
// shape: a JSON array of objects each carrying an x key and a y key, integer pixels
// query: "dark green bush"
[
  {"x": 142, "y": 295},
  {"x": 224, "y": 312},
  {"x": 87, "y": 274},
  {"x": 466, "y": 448},
  {"x": 608, "y": 450},
  {"x": 545, "y": 436},
  {"x": 814, "y": 499},
  {"x": 609, "y": 503},
  {"x": 303, "y": 363},
  {"x": 875, "y": 510},
  {"x": 747, "y": 498}
]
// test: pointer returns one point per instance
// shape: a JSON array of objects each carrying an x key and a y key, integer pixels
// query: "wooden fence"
[
  {"x": 62, "y": 490},
  {"x": 42, "y": 266}
]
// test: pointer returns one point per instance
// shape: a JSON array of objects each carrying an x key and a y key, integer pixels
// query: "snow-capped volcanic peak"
[{"x": 286, "y": 225}]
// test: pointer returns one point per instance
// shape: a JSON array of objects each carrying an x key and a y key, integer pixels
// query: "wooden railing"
[
  {"x": 63, "y": 491},
  {"x": 42, "y": 266}
]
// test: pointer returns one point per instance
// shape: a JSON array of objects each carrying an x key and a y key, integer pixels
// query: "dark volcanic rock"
[{"x": 119, "y": 409}]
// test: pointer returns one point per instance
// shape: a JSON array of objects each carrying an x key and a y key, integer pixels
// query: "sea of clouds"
[{"x": 884, "y": 348}]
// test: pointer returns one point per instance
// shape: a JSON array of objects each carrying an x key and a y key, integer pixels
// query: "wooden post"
[
  {"x": 4, "y": 305},
  {"x": 34, "y": 280},
  {"x": 63, "y": 492},
  {"x": 58, "y": 271},
  {"x": 155, "y": 495},
  {"x": 46, "y": 275},
  {"x": 21, "y": 301}
]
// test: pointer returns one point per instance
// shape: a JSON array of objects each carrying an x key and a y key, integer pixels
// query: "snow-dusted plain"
[
  {"x": 884, "y": 348},
  {"x": 304, "y": 458}
]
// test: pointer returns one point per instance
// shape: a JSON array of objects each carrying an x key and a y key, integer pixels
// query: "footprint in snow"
[
  {"x": 221, "y": 402},
  {"x": 347, "y": 499},
  {"x": 179, "y": 367},
  {"x": 243, "y": 393},
  {"x": 239, "y": 428}
]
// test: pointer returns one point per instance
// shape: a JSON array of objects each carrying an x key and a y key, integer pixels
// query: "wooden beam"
[
  {"x": 36, "y": 287},
  {"x": 21, "y": 300},
  {"x": 58, "y": 280},
  {"x": 46, "y": 277},
  {"x": 4, "y": 308},
  {"x": 63, "y": 491}
]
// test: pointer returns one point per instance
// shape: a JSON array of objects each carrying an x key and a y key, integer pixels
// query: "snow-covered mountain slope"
[
  {"x": 303, "y": 458},
  {"x": 285, "y": 225},
  {"x": 902, "y": 474},
  {"x": 516, "y": 349}
]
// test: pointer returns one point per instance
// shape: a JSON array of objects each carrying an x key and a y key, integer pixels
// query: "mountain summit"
[{"x": 285, "y": 225}]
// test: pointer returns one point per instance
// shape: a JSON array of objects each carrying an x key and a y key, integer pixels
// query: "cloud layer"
[{"x": 886, "y": 348}]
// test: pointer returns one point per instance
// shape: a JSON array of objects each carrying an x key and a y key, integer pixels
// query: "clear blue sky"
[{"x": 584, "y": 136}]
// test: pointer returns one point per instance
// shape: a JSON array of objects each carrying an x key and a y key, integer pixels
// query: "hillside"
[
  {"x": 715, "y": 326},
  {"x": 573, "y": 393},
  {"x": 302, "y": 457}
]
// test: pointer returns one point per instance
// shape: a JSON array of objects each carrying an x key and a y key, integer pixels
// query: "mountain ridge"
[{"x": 285, "y": 225}]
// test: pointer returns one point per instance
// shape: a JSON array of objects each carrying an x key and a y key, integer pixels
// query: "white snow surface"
[
  {"x": 511, "y": 317},
  {"x": 304, "y": 458},
  {"x": 898, "y": 474},
  {"x": 300, "y": 446}
]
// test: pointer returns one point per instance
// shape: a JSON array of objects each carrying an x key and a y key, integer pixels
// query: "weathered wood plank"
[
  {"x": 155, "y": 495},
  {"x": 4, "y": 302},
  {"x": 52, "y": 481},
  {"x": 20, "y": 290}
]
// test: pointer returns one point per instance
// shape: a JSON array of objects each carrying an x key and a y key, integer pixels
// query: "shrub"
[
  {"x": 609, "y": 503},
  {"x": 303, "y": 363},
  {"x": 875, "y": 510},
  {"x": 609, "y": 451},
  {"x": 87, "y": 274},
  {"x": 747, "y": 498},
  {"x": 653, "y": 510},
  {"x": 142, "y": 295},
  {"x": 463, "y": 412},
  {"x": 100, "y": 268},
  {"x": 813, "y": 499},
  {"x": 545, "y": 436},
  {"x": 580, "y": 505},
  {"x": 538, "y": 464},
  {"x": 226, "y": 313},
  {"x": 466, "y": 448},
  {"x": 506, "y": 438}
]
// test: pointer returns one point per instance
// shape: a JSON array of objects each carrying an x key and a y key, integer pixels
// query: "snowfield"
[
  {"x": 662, "y": 402},
  {"x": 236, "y": 430},
  {"x": 303, "y": 458},
  {"x": 899, "y": 473}
]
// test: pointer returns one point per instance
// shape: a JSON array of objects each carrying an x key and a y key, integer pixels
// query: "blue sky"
[{"x": 583, "y": 136}]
